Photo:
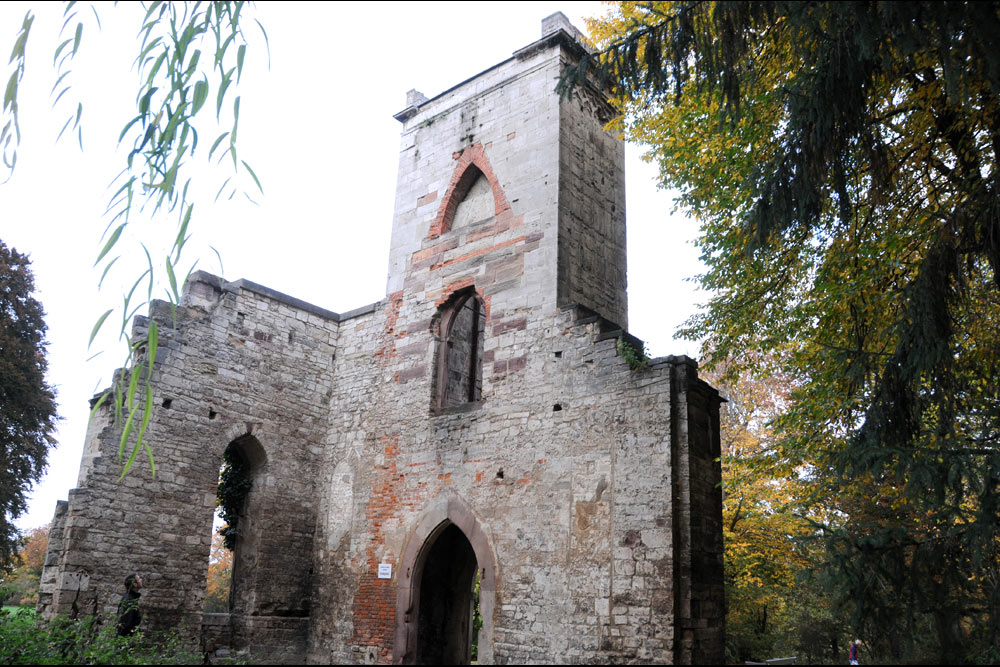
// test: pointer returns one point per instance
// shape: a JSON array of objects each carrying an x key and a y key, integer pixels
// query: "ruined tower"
[{"x": 477, "y": 429}]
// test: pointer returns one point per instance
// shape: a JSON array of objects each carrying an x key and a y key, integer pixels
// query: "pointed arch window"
[
  {"x": 238, "y": 495},
  {"x": 474, "y": 193},
  {"x": 475, "y": 203},
  {"x": 460, "y": 353}
]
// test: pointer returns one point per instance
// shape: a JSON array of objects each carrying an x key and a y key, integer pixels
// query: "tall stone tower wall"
[{"x": 553, "y": 170}]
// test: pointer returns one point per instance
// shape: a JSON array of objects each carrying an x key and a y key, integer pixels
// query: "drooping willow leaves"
[{"x": 190, "y": 57}]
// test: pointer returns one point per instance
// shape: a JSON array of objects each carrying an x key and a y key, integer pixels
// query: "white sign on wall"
[{"x": 385, "y": 570}]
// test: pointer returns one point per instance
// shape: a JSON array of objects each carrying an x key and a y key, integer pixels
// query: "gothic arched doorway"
[
  {"x": 447, "y": 569},
  {"x": 445, "y": 608}
]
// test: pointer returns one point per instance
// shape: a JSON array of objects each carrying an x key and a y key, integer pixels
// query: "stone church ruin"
[{"x": 478, "y": 426}]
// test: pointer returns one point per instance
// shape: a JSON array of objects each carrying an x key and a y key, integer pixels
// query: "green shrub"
[{"x": 26, "y": 639}]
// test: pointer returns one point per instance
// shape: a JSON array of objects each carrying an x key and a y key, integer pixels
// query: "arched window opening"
[
  {"x": 447, "y": 609},
  {"x": 460, "y": 357},
  {"x": 235, "y": 482},
  {"x": 233, "y": 537},
  {"x": 477, "y": 203}
]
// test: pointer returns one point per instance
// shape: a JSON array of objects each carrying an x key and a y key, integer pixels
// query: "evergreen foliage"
[
  {"x": 27, "y": 403},
  {"x": 842, "y": 158}
]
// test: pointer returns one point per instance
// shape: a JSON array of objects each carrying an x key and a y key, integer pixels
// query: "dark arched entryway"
[
  {"x": 445, "y": 607},
  {"x": 446, "y": 556}
]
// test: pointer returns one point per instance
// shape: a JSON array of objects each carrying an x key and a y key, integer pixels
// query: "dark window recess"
[
  {"x": 167, "y": 402},
  {"x": 460, "y": 357},
  {"x": 557, "y": 407},
  {"x": 500, "y": 473},
  {"x": 559, "y": 354},
  {"x": 211, "y": 413}
]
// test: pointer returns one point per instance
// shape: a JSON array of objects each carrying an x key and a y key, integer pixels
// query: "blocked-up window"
[
  {"x": 460, "y": 357},
  {"x": 477, "y": 204}
]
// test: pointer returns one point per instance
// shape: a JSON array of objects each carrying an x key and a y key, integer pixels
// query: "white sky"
[{"x": 318, "y": 130}]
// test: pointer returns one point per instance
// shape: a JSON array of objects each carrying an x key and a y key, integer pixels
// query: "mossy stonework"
[{"x": 477, "y": 422}]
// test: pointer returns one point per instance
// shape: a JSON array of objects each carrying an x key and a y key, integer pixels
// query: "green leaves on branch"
[
  {"x": 10, "y": 134},
  {"x": 634, "y": 355},
  {"x": 185, "y": 50},
  {"x": 127, "y": 406},
  {"x": 189, "y": 53},
  {"x": 175, "y": 84},
  {"x": 64, "y": 54},
  {"x": 235, "y": 483}
]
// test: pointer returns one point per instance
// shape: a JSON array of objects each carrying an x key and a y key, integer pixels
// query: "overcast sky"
[{"x": 317, "y": 128}]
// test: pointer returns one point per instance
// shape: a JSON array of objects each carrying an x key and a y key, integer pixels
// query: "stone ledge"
[{"x": 281, "y": 297}]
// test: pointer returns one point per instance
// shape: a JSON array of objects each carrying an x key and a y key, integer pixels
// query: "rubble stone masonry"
[{"x": 587, "y": 493}]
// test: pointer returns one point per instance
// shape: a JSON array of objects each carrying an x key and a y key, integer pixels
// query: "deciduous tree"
[
  {"x": 220, "y": 576},
  {"x": 842, "y": 160},
  {"x": 27, "y": 403},
  {"x": 22, "y": 583},
  {"x": 767, "y": 519}
]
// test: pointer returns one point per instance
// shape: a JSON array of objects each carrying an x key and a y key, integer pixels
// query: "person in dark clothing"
[
  {"x": 128, "y": 608},
  {"x": 852, "y": 652}
]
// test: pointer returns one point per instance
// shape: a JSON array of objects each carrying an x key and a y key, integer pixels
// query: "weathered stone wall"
[
  {"x": 238, "y": 363},
  {"x": 587, "y": 491},
  {"x": 591, "y": 208},
  {"x": 697, "y": 473},
  {"x": 565, "y": 464}
]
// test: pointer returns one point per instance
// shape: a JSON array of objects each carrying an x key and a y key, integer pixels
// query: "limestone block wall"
[
  {"x": 697, "y": 492},
  {"x": 509, "y": 116},
  {"x": 352, "y": 442},
  {"x": 562, "y": 474}
]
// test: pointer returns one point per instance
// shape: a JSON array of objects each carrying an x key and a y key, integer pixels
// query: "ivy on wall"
[{"x": 235, "y": 483}]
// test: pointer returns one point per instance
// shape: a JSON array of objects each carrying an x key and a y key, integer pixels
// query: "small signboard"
[{"x": 385, "y": 570}]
